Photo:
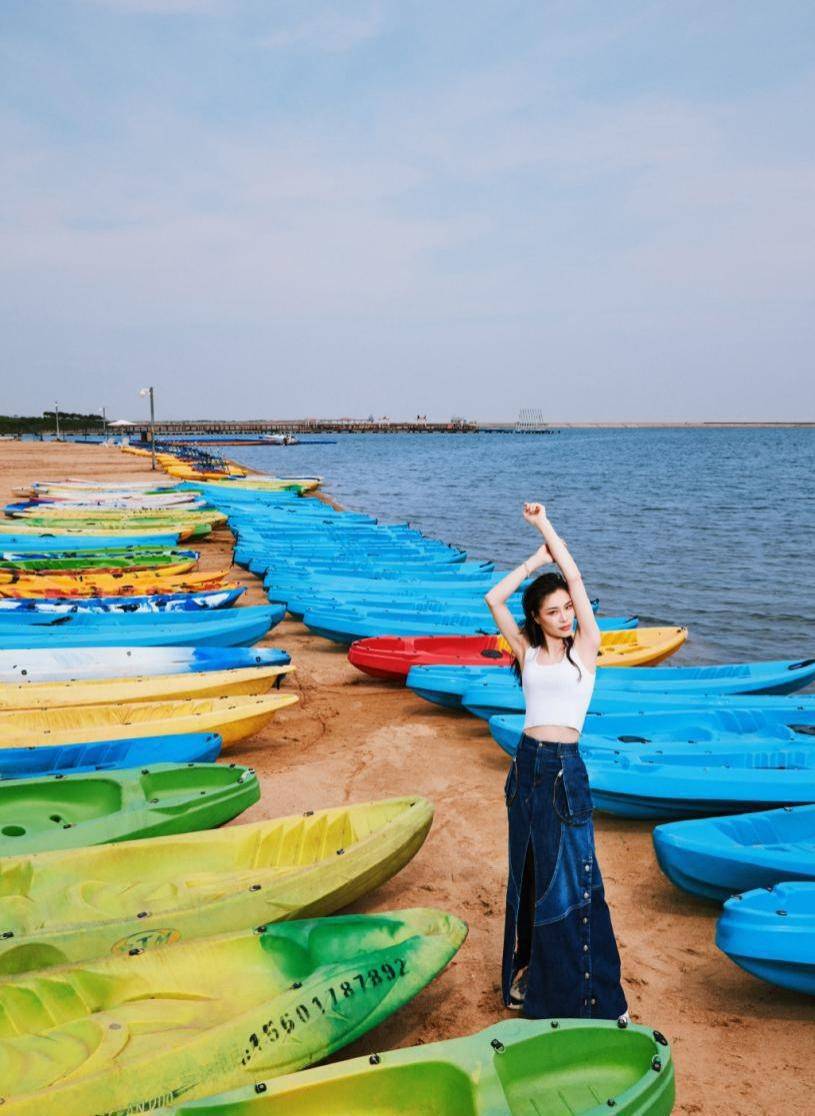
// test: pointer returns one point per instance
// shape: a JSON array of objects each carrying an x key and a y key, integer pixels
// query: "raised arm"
[
  {"x": 498, "y": 596},
  {"x": 588, "y": 633}
]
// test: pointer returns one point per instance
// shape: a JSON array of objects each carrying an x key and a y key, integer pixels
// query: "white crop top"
[{"x": 556, "y": 694}]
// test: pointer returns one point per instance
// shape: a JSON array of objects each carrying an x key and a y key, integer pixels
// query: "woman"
[{"x": 560, "y": 956}]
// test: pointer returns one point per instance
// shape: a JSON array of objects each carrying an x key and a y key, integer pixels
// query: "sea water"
[{"x": 706, "y": 528}]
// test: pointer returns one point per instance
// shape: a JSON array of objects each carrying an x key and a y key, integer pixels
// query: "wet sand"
[{"x": 741, "y": 1046}]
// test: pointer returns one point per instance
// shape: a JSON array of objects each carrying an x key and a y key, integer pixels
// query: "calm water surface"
[{"x": 713, "y": 529}]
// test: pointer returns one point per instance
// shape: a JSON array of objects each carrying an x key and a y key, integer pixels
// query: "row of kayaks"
[{"x": 148, "y": 960}]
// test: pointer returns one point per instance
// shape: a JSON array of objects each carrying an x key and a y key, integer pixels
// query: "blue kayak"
[
  {"x": 230, "y": 628},
  {"x": 771, "y": 934},
  {"x": 626, "y": 686},
  {"x": 719, "y": 857},
  {"x": 65, "y": 665},
  {"x": 50, "y": 542},
  {"x": 73, "y": 759},
  {"x": 700, "y": 781},
  {"x": 487, "y": 702},
  {"x": 667, "y": 732},
  {"x": 346, "y": 626},
  {"x": 158, "y": 602}
]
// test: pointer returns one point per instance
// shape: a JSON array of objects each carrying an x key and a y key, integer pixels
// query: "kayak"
[
  {"x": 44, "y": 665},
  {"x": 84, "y": 567},
  {"x": 21, "y": 533},
  {"x": 233, "y": 718},
  {"x": 109, "y": 560},
  {"x": 138, "y": 583},
  {"x": 140, "y": 751},
  {"x": 349, "y": 625},
  {"x": 71, "y": 811},
  {"x": 210, "y": 1015},
  {"x": 699, "y": 781},
  {"x": 446, "y": 682},
  {"x": 152, "y": 687},
  {"x": 565, "y": 1067},
  {"x": 63, "y": 907},
  {"x": 719, "y": 857},
  {"x": 233, "y": 628},
  {"x": 392, "y": 657},
  {"x": 770, "y": 933},
  {"x": 670, "y": 732},
  {"x": 49, "y": 544},
  {"x": 155, "y": 602}
]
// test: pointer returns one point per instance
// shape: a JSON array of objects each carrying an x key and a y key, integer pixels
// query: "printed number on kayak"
[{"x": 329, "y": 999}]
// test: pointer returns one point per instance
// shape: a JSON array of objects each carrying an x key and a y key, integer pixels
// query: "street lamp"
[
  {"x": 103, "y": 413},
  {"x": 149, "y": 391},
  {"x": 56, "y": 416}
]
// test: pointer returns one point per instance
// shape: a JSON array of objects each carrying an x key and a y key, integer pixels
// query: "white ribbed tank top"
[{"x": 555, "y": 693}]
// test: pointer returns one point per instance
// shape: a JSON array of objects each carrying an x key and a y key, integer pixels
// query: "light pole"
[
  {"x": 104, "y": 424},
  {"x": 56, "y": 416},
  {"x": 149, "y": 391}
]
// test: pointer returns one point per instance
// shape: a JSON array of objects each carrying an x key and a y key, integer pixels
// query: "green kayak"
[
  {"x": 136, "y": 1031},
  {"x": 133, "y": 558},
  {"x": 571, "y": 1067},
  {"x": 71, "y": 811}
]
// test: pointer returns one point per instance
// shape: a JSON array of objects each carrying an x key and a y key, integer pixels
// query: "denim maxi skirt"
[{"x": 558, "y": 924}]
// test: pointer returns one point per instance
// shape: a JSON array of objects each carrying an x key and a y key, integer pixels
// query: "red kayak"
[{"x": 392, "y": 656}]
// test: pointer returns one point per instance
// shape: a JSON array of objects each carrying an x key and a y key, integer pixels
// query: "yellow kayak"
[
  {"x": 112, "y": 585},
  {"x": 155, "y": 687},
  {"x": 640, "y": 646},
  {"x": 84, "y": 903},
  {"x": 233, "y": 718},
  {"x": 119, "y": 515},
  {"x": 129, "y": 1034}
]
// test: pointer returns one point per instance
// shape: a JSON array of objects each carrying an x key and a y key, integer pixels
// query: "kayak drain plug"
[
  {"x": 374, "y": 1059},
  {"x": 497, "y": 1046},
  {"x": 656, "y": 1064},
  {"x": 660, "y": 1038},
  {"x": 260, "y": 1087}
]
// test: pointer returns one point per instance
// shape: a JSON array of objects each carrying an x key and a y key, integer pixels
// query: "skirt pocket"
[{"x": 572, "y": 796}]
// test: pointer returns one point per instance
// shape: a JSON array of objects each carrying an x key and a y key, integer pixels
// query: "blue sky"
[{"x": 602, "y": 210}]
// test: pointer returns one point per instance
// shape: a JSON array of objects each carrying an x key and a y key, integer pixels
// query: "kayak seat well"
[
  {"x": 583, "y": 1071},
  {"x": 23, "y": 812}
]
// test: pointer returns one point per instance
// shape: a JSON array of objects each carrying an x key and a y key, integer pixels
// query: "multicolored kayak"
[
  {"x": 771, "y": 934},
  {"x": 393, "y": 656},
  {"x": 233, "y": 718},
  {"x": 157, "y": 602},
  {"x": 215, "y": 1014},
  {"x": 72, "y": 906},
  {"x": 39, "y": 664},
  {"x": 109, "y": 560},
  {"x": 567, "y": 1067},
  {"x": 70, "y": 811},
  {"x": 125, "y": 584},
  {"x": 107, "y": 755}
]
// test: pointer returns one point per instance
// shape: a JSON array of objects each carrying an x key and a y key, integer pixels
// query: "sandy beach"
[{"x": 741, "y": 1046}]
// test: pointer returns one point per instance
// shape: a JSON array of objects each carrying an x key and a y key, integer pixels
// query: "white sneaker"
[{"x": 517, "y": 991}]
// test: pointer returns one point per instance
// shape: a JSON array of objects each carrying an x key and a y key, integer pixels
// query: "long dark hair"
[{"x": 534, "y": 596}]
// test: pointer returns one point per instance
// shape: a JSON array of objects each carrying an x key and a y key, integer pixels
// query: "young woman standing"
[{"x": 560, "y": 956}]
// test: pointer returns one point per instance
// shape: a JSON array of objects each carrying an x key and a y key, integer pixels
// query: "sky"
[{"x": 602, "y": 211}]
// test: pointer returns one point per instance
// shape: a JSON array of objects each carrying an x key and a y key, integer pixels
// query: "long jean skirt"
[{"x": 558, "y": 925}]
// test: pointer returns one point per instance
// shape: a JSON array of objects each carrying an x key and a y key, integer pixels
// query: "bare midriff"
[{"x": 556, "y": 734}]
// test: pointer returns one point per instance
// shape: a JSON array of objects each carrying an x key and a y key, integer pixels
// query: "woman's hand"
[{"x": 535, "y": 514}]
